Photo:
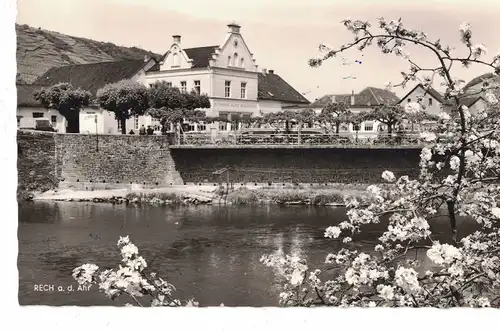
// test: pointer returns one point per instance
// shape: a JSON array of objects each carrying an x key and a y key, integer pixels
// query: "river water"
[{"x": 210, "y": 253}]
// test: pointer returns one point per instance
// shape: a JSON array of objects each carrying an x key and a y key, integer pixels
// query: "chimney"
[
  {"x": 332, "y": 98},
  {"x": 271, "y": 71},
  {"x": 352, "y": 98},
  {"x": 176, "y": 39},
  {"x": 264, "y": 71},
  {"x": 234, "y": 27}
]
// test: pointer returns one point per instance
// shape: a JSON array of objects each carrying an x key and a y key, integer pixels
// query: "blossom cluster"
[
  {"x": 459, "y": 177},
  {"x": 130, "y": 279}
]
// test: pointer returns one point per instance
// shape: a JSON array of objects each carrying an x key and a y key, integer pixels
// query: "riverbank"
[{"x": 205, "y": 194}]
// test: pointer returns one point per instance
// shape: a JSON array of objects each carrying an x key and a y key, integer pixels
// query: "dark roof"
[
  {"x": 368, "y": 97},
  {"x": 91, "y": 76},
  {"x": 273, "y": 87},
  {"x": 200, "y": 56},
  {"x": 433, "y": 93},
  {"x": 25, "y": 95},
  {"x": 479, "y": 79}
]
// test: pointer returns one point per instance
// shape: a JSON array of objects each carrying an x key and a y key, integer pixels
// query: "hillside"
[{"x": 39, "y": 50}]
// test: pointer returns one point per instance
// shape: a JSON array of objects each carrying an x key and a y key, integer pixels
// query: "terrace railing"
[{"x": 305, "y": 140}]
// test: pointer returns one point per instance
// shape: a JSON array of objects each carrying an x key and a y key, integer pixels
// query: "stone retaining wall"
[{"x": 49, "y": 160}]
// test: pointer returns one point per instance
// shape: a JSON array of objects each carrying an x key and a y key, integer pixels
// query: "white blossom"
[
  {"x": 441, "y": 254},
  {"x": 332, "y": 232},
  {"x": 386, "y": 292},
  {"x": 388, "y": 176}
]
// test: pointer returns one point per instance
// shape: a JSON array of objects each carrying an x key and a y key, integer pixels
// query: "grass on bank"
[{"x": 245, "y": 196}]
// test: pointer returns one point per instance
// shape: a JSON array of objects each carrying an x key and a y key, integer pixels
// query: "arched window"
[
  {"x": 235, "y": 60},
  {"x": 242, "y": 62},
  {"x": 229, "y": 60},
  {"x": 175, "y": 61}
]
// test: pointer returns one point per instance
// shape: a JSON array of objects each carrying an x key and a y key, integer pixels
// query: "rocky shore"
[{"x": 197, "y": 195}]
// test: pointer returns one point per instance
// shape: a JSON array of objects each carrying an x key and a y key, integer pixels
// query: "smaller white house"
[
  {"x": 434, "y": 103},
  {"x": 28, "y": 107},
  {"x": 431, "y": 100}
]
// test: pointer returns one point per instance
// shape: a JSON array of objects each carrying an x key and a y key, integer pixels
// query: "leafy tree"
[
  {"x": 390, "y": 115},
  {"x": 125, "y": 99},
  {"x": 170, "y": 105},
  {"x": 334, "y": 114},
  {"x": 67, "y": 100}
]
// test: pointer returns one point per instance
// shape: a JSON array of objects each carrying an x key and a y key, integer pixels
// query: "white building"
[
  {"x": 434, "y": 102},
  {"x": 228, "y": 74}
]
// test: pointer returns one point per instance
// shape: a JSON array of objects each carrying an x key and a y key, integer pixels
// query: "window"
[
  {"x": 368, "y": 126},
  {"x": 227, "y": 89},
  {"x": 136, "y": 122},
  {"x": 119, "y": 125},
  {"x": 183, "y": 87},
  {"x": 175, "y": 60},
  {"x": 53, "y": 120},
  {"x": 409, "y": 100},
  {"x": 355, "y": 127},
  {"x": 19, "y": 120},
  {"x": 242, "y": 63},
  {"x": 197, "y": 86},
  {"x": 169, "y": 84},
  {"x": 235, "y": 59},
  {"x": 150, "y": 85},
  {"x": 229, "y": 60},
  {"x": 202, "y": 127},
  {"x": 37, "y": 115},
  {"x": 430, "y": 101},
  {"x": 243, "y": 90},
  {"x": 190, "y": 128}
]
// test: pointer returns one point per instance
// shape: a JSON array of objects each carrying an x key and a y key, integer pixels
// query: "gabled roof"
[
  {"x": 25, "y": 96},
  {"x": 200, "y": 56},
  {"x": 479, "y": 79},
  {"x": 91, "y": 76},
  {"x": 368, "y": 97},
  {"x": 431, "y": 91},
  {"x": 273, "y": 87}
]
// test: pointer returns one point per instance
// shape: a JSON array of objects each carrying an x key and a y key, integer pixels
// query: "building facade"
[{"x": 226, "y": 73}]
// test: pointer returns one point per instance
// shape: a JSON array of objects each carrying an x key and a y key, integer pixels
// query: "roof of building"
[
  {"x": 25, "y": 96},
  {"x": 94, "y": 76},
  {"x": 272, "y": 87},
  {"x": 368, "y": 97},
  {"x": 91, "y": 76},
  {"x": 479, "y": 79},
  {"x": 434, "y": 93},
  {"x": 200, "y": 55}
]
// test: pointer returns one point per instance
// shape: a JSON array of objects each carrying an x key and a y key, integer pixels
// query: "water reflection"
[{"x": 208, "y": 252}]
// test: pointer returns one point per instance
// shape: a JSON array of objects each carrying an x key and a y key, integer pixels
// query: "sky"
[{"x": 282, "y": 34}]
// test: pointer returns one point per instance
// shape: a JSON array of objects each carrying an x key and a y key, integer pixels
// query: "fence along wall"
[
  {"x": 70, "y": 160},
  {"x": 114, "y": 160},
  {"x": 298, "y": 165}
]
